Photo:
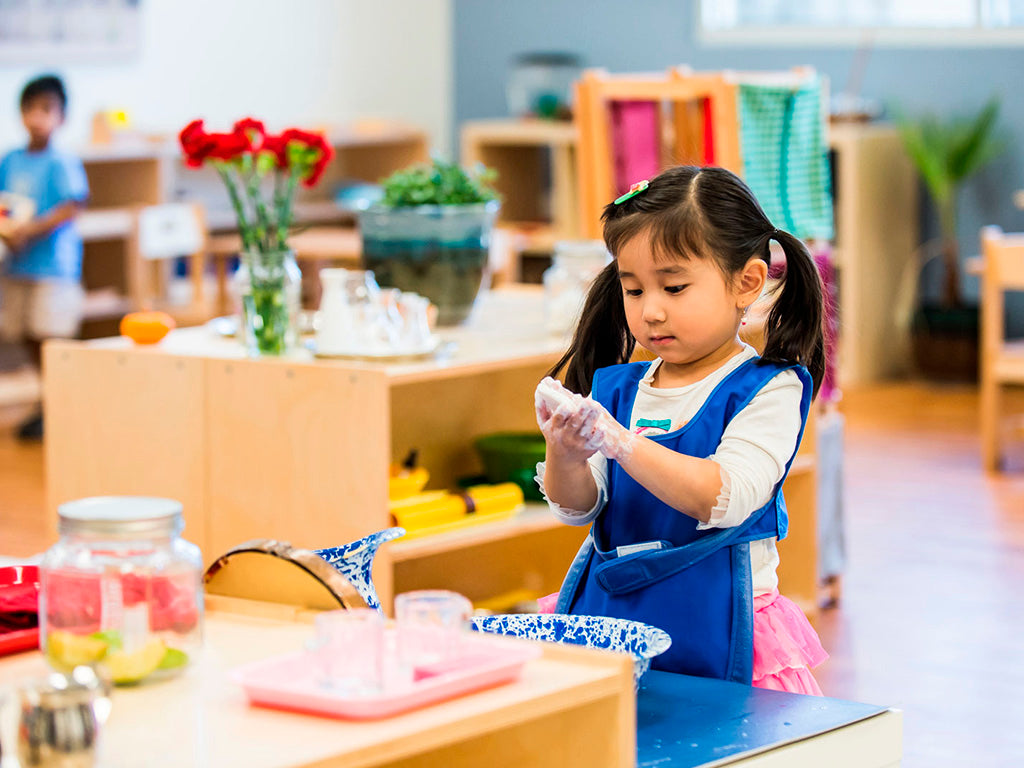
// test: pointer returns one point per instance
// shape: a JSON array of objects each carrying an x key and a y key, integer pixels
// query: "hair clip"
[{"x": 636, "y": 189}]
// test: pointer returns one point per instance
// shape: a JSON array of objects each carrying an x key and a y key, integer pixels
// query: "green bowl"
[{"x": 512, "y": 457}]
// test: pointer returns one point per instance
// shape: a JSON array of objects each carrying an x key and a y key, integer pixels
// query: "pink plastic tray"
[{"x": 288, "y": 682}]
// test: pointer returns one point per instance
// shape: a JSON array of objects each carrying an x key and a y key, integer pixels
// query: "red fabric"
[
  {"x": 19, "y": 598},
  {"x": 709, "y": 136}
]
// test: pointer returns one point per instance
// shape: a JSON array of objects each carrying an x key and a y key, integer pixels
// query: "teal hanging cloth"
[{"x": 785, "y": 155}]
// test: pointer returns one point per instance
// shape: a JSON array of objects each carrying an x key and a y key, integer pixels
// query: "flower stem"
[
  {"x": 244, "y": 228},
  {"x": 284, "y": 217}
]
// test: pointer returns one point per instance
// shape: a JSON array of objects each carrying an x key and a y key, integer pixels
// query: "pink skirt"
[{"x": 786, "y": 647}]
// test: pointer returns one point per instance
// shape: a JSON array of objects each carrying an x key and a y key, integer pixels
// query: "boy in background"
[{"x": 40, "y": 289}]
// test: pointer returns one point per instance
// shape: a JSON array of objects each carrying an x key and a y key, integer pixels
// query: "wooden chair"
[
  {"x": 695, "y": 116},
  {"x": 1002, "y": 362},
  {"x": 160, "y": 235}
]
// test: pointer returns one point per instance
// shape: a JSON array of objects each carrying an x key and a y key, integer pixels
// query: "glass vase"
[{"x": 270, "y": 288}]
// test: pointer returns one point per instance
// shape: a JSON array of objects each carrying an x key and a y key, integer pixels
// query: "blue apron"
[{"x": 646, "y": 561}]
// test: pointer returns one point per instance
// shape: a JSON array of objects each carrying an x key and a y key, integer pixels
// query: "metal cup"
[{"x": 60, "y": 718}]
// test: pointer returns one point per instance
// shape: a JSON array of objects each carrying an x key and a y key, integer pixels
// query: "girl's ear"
[{"x": 750, "y": 282}]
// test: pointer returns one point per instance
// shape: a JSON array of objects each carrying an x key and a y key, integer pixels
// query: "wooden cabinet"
[{"x": 299, "y": 449}]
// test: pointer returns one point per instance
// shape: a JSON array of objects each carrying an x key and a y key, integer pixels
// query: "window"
[{"x": 935, "y": 22}]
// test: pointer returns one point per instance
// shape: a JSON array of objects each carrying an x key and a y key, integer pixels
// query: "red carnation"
[
  {"x": 313, "y": 143},
  {"x": 228, "y": 146},
  {"x": 252, "y": 130},
  {"x": 196, "y": 143},
  {"x": 278, "y": 145},
  {"x": 322, "y": 161}
]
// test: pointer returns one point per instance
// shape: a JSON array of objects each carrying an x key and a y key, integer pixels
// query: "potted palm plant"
[
  {"x": 430, "y": 234},
  {"x": 947, "y": 154}
]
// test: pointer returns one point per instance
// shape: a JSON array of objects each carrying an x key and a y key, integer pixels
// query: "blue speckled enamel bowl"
[{"x": 642, "y": 641}]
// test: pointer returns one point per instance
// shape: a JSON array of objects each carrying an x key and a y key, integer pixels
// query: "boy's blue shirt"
[{"x": 49, "y": 177}]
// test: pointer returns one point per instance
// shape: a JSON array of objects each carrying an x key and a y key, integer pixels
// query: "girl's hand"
[
  {"x": 576, "y": 426},
  {"x": 570, "y": 429}
]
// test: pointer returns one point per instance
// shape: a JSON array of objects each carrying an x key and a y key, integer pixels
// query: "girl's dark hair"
[{"x": 693, "y": 212}]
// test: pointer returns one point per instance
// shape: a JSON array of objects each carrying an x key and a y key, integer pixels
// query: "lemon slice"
[
  {"x": 133, "y": 666},
  {"x": 68, "y": 650}
]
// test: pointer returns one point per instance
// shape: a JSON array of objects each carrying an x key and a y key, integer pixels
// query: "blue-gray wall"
[{"x": 650, "y": 35}]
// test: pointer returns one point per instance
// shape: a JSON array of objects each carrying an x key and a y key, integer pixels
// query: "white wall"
[{"x": 290, "y": 62}]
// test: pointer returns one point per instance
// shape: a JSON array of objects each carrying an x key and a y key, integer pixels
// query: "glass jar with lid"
[
  {"x": 121, "y": 589},
  {"x": 575, "y": 264}
]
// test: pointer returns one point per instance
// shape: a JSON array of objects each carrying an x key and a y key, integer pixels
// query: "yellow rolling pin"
[{"x": 439, "y": 508}]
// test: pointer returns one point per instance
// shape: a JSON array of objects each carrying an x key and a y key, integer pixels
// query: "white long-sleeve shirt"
[{"x": 752, "y": 454}]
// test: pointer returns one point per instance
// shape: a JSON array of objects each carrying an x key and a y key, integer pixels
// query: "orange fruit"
[{"x": 146, "y": 327}]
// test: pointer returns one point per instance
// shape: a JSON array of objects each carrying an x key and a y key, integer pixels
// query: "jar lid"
[{"x": 121, "y": 516}]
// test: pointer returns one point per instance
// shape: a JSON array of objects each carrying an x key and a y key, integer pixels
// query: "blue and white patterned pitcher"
[{"x": 355, "y": 561}]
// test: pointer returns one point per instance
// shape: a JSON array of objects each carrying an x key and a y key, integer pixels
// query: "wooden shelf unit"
[
  {"x": 536, "y": 165},
  {"x": 299, "y": 449},
  {"x": 119, "y": 182}
]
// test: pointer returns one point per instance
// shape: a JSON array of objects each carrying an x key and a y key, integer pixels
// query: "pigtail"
[
  {"x": 794, "y": 330},
  {"x": 601, "y": 338}
]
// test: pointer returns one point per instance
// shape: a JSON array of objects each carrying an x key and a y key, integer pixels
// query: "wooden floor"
[{"x": 931, "y": 617}]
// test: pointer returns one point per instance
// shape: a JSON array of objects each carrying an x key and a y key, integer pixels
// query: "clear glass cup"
[
  {"x": 430, "y": 624},
  {"x": 416, "y": 333},
  {"x": 391, "y": 322},
  {"x": 348, "y": 651}
]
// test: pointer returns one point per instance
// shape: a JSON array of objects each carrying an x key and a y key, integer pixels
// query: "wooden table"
[{"x": 572, "y": 706}]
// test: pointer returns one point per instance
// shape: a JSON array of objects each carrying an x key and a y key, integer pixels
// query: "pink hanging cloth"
[{"x": 636, "y": 142}]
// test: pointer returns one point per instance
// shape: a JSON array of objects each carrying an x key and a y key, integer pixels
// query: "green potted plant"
[
  {"x": 946, "y": 154},
  {"x": 430, "y": 234}
]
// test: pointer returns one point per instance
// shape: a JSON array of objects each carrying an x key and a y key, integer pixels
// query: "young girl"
[{"x": 678, "y": 463}]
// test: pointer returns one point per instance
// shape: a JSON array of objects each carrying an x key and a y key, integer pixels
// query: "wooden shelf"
[
  {"x": 536, "y": 165},
  {"x": 520, "y": 132}
]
